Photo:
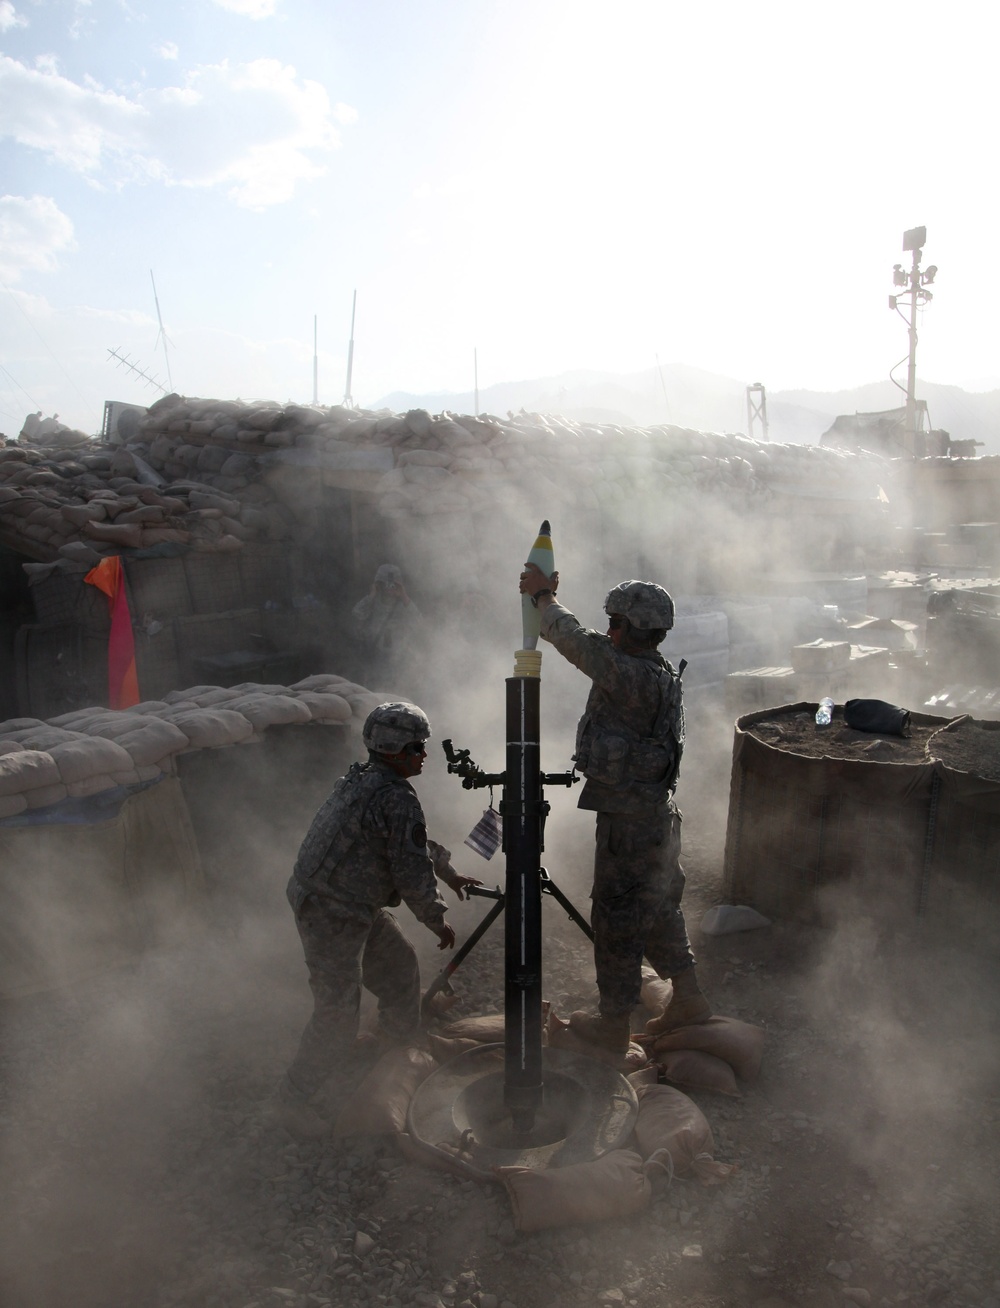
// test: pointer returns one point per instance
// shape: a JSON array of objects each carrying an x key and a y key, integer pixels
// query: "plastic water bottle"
[{"x": 824, "y": 714}]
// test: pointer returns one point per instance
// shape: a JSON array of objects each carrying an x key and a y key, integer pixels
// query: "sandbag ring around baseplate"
[{"x": 458, "y": 1112}]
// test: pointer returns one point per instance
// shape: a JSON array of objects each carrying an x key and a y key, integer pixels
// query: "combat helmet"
[
  {"x": 647, "y": 606},
  {"x": 394, "y": 724}
]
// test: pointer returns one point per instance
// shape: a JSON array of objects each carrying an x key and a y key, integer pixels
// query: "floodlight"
[
  {"x": 929, "y": 274},
  {"x": 898, "y": 275}
]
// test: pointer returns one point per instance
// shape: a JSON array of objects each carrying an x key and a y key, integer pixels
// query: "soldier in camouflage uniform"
[
  {"x": 365, "y": 852},
  {"x": 628, "y": 747}
]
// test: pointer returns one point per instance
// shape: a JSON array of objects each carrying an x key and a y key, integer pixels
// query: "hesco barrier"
[
  {"x": 897, "y": 835},
  {"x": 91, "y": 892}
]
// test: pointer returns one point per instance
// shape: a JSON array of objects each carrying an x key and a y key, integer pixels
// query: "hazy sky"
[{"x": 562, "y": 184}]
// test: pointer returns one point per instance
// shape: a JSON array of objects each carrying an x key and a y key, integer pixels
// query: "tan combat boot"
[
  {"x": 687, "y": 1006},
  {"x": 611, "y": 1033}
]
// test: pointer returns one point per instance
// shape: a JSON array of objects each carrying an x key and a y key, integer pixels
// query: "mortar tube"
[{"x": 521, "y": 810}]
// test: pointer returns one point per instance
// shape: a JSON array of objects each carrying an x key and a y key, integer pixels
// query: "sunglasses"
[
  {"x": 615, "y": 624},
  {"x": 414, "y": 748}
]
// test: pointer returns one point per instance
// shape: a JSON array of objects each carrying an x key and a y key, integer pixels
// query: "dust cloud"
[{"x": 141, "y": 1163}]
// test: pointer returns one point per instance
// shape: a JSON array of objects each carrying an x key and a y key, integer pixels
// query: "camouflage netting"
[{"x": 210, "y": 475}]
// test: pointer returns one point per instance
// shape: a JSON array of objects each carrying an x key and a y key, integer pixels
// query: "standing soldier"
[
  {"x": 386, "y": 624},
  {"x": 365, "y": 852},
  {"x": 628, "y": 747}
]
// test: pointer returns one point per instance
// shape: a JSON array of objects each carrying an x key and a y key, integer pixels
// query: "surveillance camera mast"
[{"x": 914, "y": 281}]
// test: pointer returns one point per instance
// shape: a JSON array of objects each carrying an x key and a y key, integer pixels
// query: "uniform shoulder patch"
[{"x": 419, "y": 835}]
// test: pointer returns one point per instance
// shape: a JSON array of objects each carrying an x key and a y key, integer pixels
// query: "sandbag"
[
  {"x": 738, "y": 1043},
  {"x": 88, "y": 757},
  {"x": 77, "y": 720},
  {"x": 380, "y": 1103},
  {"x": 613, "y": 1186},
  {"x": 44, "y": 796},
  {"x": 43, "y": 737},
  {"x": 191, "y": 694},
  {"x": 27, "y": 770},
  {"x": 440, "y": 1002},
  {"x": 443, "y": 1049},
  {"x": 154, "y": 741},
  {"x": 322, "y": 681},
  {"x": 645, "y": 1076},
  {"x": 325, "y": 706},
  {"x": 212, "y": 697},
  {"x": 12, "y": 805},
  {"x": 113, "y": 723},
  {"x": 126, "y": 536},
  {"x": 265, "y": 711},
  {"x": 561, "y": 1036},
  {"x": 486, "y": 1030},
  {"x": 10, "y": 747},
  {"x": 88, "y": 786},
  {"x": 210, "y": 728},
  {"x": 656, "y": 992},
  {"x": 697, "y": 1071},
  {"x": 669, "y": 1122}
]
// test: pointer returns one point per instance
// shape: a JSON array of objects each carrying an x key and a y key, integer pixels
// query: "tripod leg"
[
  {"x": 549, "y": 887},
  {"x": 441, "y": 981}
]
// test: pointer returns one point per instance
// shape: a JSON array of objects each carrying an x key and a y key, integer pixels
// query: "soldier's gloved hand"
[
  {"x": 533, "y": 579},
  {"x": 455, "y": 881},
  {"x": 445, "y": 934}
]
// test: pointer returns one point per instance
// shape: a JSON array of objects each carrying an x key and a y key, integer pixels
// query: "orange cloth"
[{"x": 123, "y": 681}]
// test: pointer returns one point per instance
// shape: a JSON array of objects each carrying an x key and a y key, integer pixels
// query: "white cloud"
[
  {"x": 168, "y": 50},
  {"x": 33, "y": 233},
  {"x": 9, "y": 17},
  {"x": 254, "y": 129},
  {"x": 250, "y": 8}
]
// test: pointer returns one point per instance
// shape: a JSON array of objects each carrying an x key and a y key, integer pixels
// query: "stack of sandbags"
[
  {"x": 449, "y": 463},
  {"x": 43, "y": 764},
  {"x": 94, "y": 749},
  {"x": 85, "y": 504},
  {"x": 196, "y": 472}
]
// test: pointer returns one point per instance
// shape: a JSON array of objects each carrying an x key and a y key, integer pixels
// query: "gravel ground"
[{"x": 144, "y": 1167}]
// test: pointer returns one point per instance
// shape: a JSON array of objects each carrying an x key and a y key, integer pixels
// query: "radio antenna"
[{"x": 161, "y": 335}]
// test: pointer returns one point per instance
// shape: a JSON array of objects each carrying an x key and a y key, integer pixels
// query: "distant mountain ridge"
[{"x": 691, "y": 397}]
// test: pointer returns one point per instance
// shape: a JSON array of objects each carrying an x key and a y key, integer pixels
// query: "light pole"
[{"x": 914, "y": 282}]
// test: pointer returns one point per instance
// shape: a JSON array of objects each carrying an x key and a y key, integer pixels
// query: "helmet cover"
[
  {"x": 647, "y": 606},
  {"x": 394, "y": 724}
]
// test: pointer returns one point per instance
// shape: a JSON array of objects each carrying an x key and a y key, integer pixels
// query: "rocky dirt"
[
  {"x": 144, "y": 1167},
  {"x": 798, "y": 733},
  {"x": 970, "y": 746}
]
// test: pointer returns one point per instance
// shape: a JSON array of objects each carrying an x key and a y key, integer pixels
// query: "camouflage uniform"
[
  {"x": 629, "y": 745},
  {"x": 366, "y": 851},
  {"x": 385, "y": 628}
]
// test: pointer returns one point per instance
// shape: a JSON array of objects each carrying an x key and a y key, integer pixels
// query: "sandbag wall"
[
  {"x": 89, "y": 751},
  {"x": 636, "y": 494},
  {"x": 453, "y": 498}
]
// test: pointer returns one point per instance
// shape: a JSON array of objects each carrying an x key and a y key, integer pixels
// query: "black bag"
[{"x": 877, "y": 716}]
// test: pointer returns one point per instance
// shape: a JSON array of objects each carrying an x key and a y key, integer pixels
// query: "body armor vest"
[{"x": 612, "y": 754}]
